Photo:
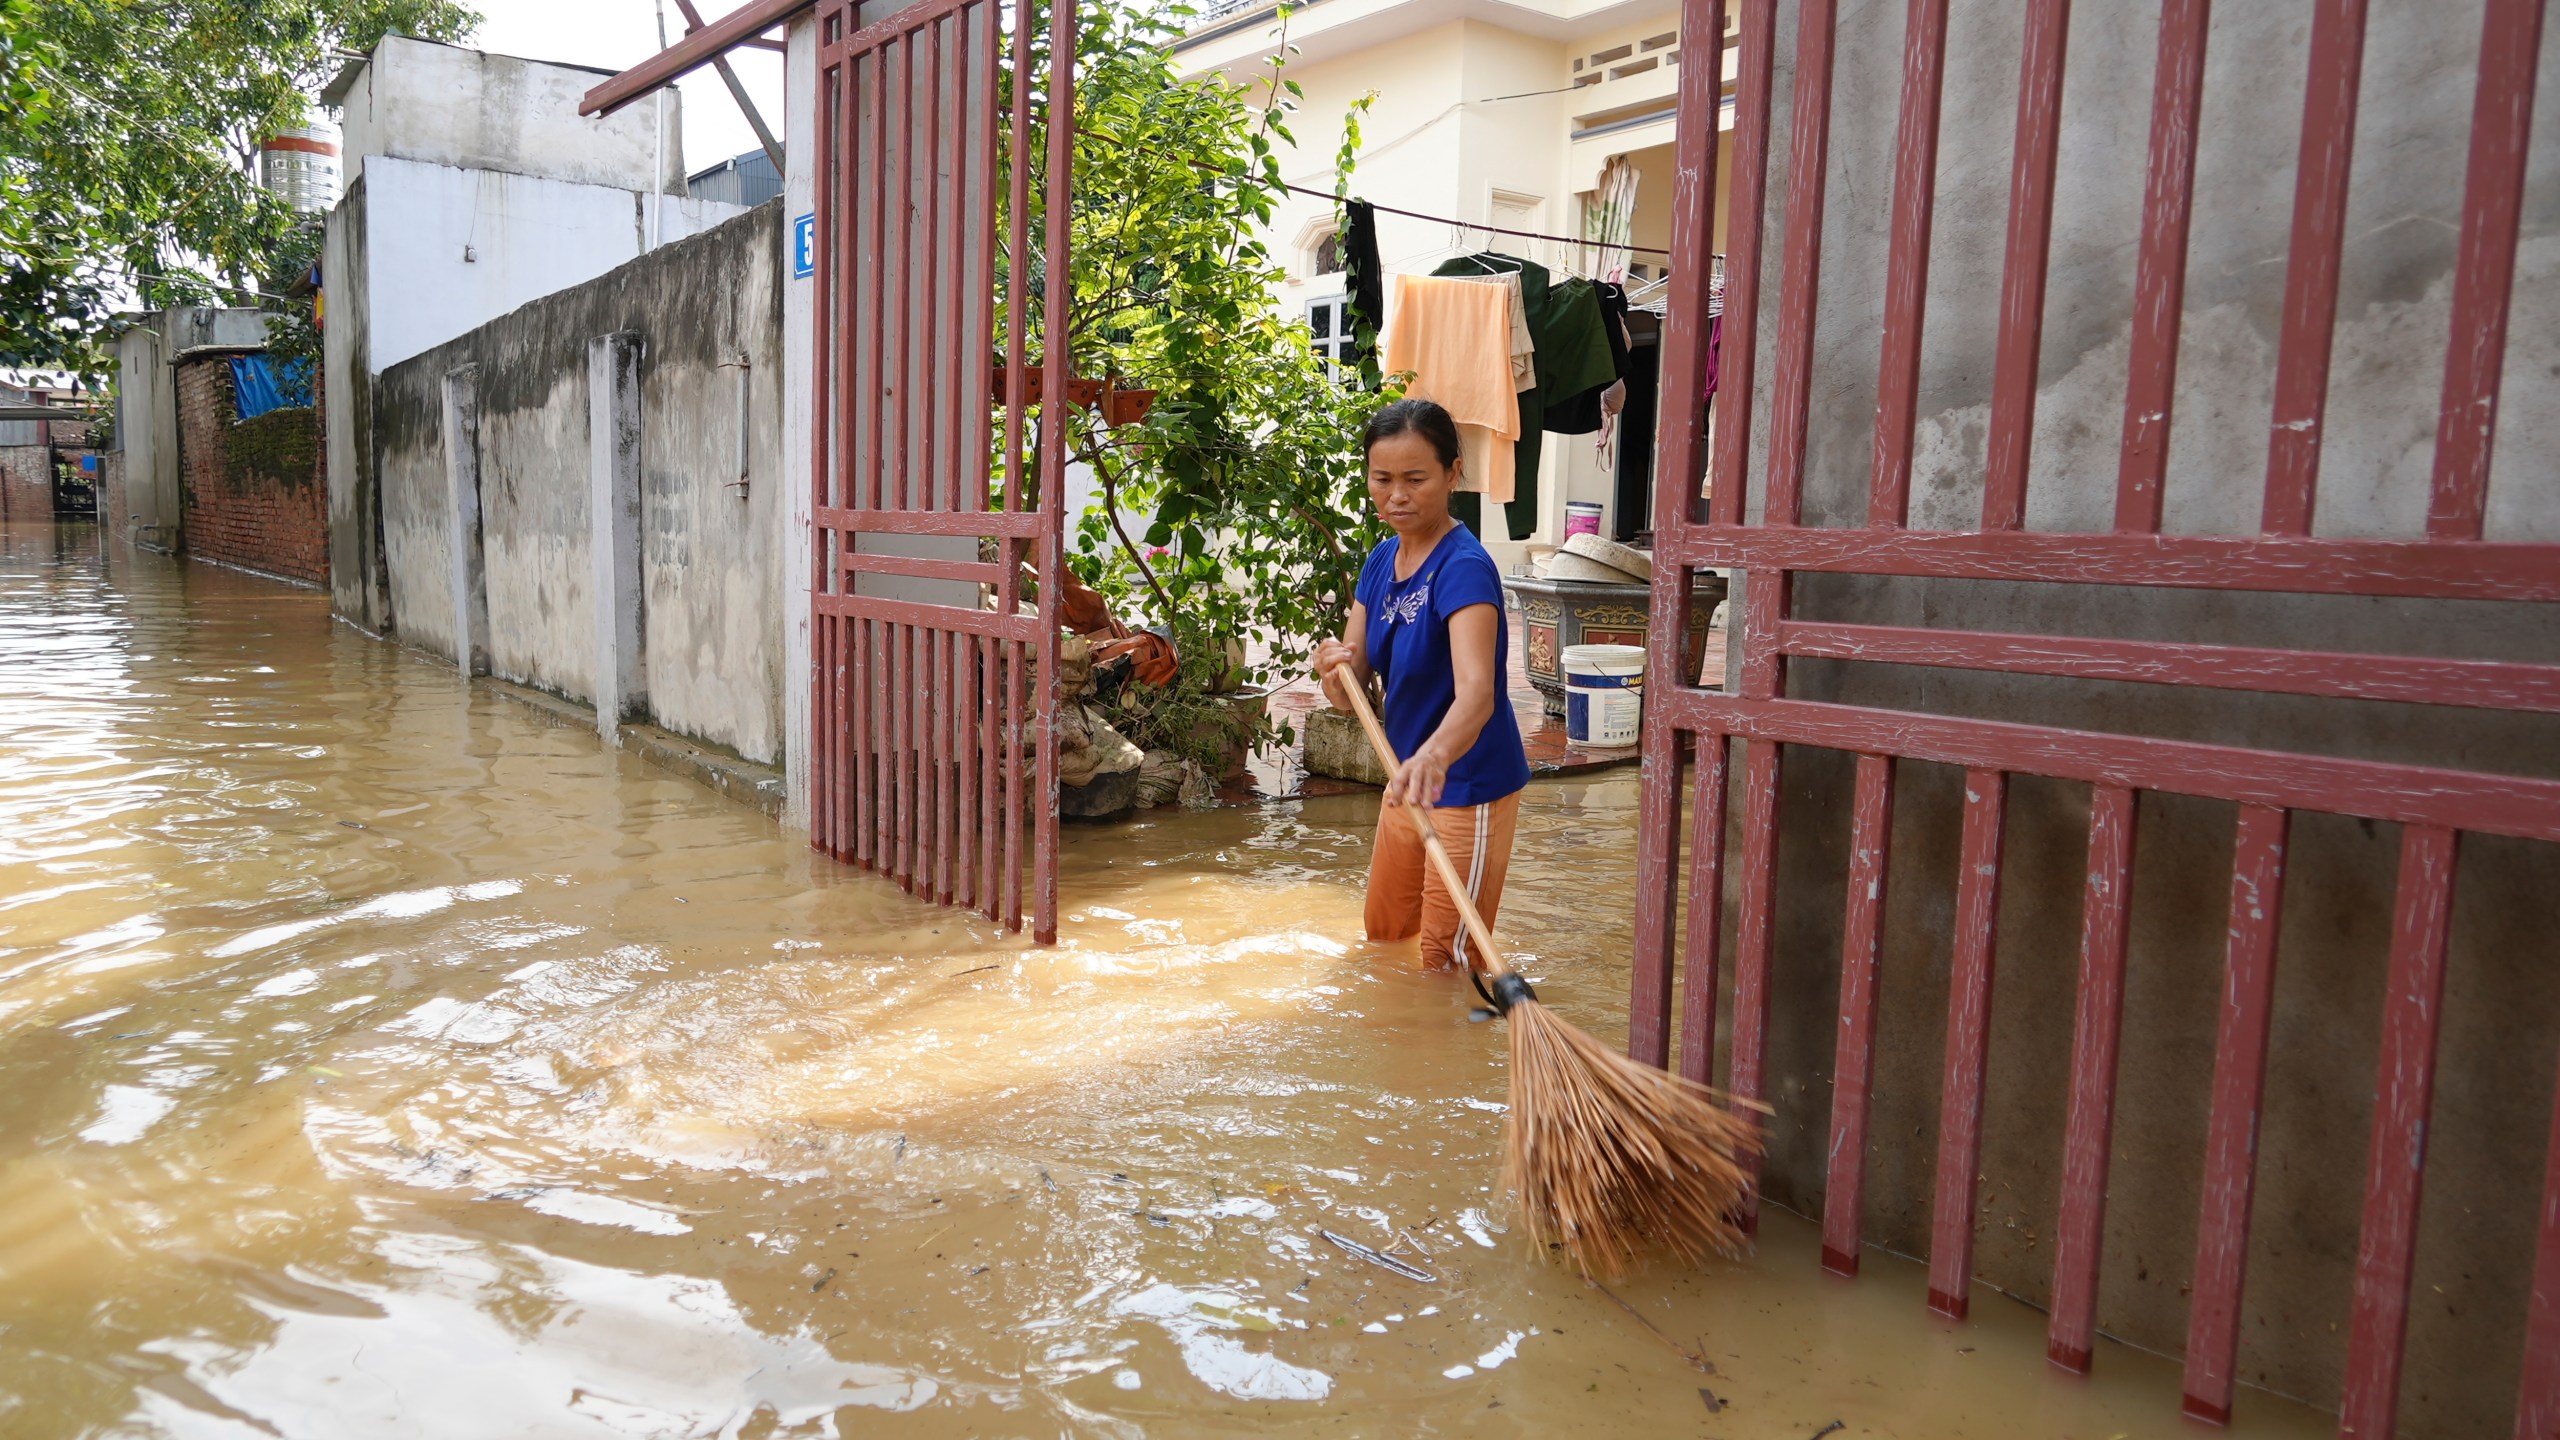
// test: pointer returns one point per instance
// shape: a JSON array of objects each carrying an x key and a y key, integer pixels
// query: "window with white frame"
[{"x": 1329, "y": 326}]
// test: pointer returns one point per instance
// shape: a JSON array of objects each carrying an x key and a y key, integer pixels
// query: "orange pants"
[{"x": 1405, "y": 893}]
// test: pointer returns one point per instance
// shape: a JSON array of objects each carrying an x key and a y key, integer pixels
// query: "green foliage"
[
  {"x": 1237, "y": 508},
  {"x": 281, "y": 446},
  {"x": 126, "y": 144}
]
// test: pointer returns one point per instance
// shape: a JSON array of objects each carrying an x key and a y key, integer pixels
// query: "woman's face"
[{"x": 1409, "y": 485}]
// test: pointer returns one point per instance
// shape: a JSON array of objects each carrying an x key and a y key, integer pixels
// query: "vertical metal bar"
[
  {"x": 946, "y": 758},
  {"x": 899, "y": 695},
  {"x": 2097, "y": 1033},
  {"x": 899, "y": 377},
  {"x": 1755, "y": 932},
  {"x": 858, "y": 410},
  {"x": 2160, "y": 272},
  {"x": 877, "y": 358},
  {"x": 1853, "y": 1055},
  {"x": 990, "y": 784},
  {"x": 2022, "y": 277},
  {"x": 1057, "y": 359},
  {"x": 2485, "y": 268},
  {"x": 2538, "y": 1401},
  {"x": 1738, "y": 351},
  {"x": 1675, "y": 501},
  {"x": 939, "y": 337},
  {"x": 2311, "y": 267},
  {"x": 861, "y": 639},
  {"x": 1808, "y": 152},
  {"x": 1699, "y": 970},
  {"x": 825, "y": 792},
  {"x": 2378, "y": 1319},
  {"x": 1986, "y": 811},
  {"x": 970, "y": 704},
  {"x": 881, "y": 656},
  {"x": 1017, "y": 399},
  {"x": 2231, "y": 1132},
  {"x": 1906, "y": 271},
  {"x": 980, "y": 348}
]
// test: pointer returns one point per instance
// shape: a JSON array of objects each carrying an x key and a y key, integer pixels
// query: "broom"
[{"x": 1606, "y": 1153}]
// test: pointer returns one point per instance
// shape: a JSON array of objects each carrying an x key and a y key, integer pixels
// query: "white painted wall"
[
  {"x": 451, "y": 249},
  {"x": 446, "y": 105}
]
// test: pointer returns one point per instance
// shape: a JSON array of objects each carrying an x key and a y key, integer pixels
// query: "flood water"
[{"x": 384, "y": 1058}]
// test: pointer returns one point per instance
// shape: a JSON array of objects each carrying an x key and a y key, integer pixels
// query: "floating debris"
[{"x": 1382, "y": 1261}]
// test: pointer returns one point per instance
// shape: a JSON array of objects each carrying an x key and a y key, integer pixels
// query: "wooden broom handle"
[{"x": 1490, "y": 958}]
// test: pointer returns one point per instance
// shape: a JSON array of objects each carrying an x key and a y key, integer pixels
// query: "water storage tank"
[{"x": 300, "y": 166}]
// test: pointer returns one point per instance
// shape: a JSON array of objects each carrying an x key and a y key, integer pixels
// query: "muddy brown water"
[{"x": 385, "y": 1058}]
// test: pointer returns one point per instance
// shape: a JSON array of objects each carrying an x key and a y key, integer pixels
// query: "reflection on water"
[{"x": 386, "y": 1059}]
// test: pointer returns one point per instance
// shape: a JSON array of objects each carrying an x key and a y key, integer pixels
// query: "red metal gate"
[
  {"x": 1687, "y": 724},
  {"x": 922, "y": 715}
]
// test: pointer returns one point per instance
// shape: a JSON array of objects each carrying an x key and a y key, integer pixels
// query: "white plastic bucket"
[
  {"x": 1581, "y": 517},
  {"x": 1603, "y": 694}
]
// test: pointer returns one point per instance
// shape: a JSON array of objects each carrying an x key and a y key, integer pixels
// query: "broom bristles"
[{"x": 1609, "y": 1155}]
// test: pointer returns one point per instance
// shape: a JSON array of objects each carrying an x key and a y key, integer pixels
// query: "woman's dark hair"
[{"x": 1414, "y": 417}]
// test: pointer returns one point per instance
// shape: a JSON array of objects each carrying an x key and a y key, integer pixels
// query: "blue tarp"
[
  {"x": 256, "y": 388},
  {"x": 253, "y": 387}
]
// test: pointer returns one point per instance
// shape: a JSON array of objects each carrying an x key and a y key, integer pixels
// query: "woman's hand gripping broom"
[{"x": 1606, "y": 1153}]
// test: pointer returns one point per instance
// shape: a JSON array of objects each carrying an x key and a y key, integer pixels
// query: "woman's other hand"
[
  {"x": 1330, "y": 659},
  {"x": 1420, "y": 781}
]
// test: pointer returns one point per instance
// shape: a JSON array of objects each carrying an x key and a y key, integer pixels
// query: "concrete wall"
[
  {"x": 147, "y": 411},
  {"x": 2500, "y": 1040},
  {"x": 359, "y": 590},
  {"x": 446, "y": 105},
  {"x": 710, "y": 594}
]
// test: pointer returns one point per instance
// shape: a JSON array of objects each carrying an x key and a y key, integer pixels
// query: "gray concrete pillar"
[
  {"x": 613, "y": 510},
  {"x": 470, "y": 580}
]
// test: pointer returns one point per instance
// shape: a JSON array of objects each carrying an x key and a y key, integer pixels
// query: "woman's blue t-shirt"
[{"x": 1409, "y": 649}]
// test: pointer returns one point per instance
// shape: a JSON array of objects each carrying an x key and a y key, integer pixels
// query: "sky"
[{"x": 615, "y": 34}]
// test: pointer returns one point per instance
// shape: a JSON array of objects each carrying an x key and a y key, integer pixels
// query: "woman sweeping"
[{"x": 1426, "y": 619}]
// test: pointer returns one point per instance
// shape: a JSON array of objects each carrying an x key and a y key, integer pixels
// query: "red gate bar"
[
  {"x": 1986, "y": 803},
  {"x": 1853, "y": 1058},
  {"x": 2106, "y": 915},
  {"x": 2013, "y": 380},
  {"x": 1706, "y": 910},
  {"x": 2484, "y": 268},
  {"x": 2311, "y": 270},
  {"x": 2231, "y": 1135},
  {"x": 1808, "y": 152},
  {"x": 2160, "y": 274},
  {"x": 1755, "y": 937},
  {"x": 2420, "y": 680},
  {"x": 2378, "y": 1320},
  {"x": 1738, "y": 363},
  {"x": 2413, "y": 569},
  {"x": 1693, "y": 203},
  {"x": 1906, "y": 271},
  {"x": 1686, "y": 724},
  {"x": 920, "y": 712}
]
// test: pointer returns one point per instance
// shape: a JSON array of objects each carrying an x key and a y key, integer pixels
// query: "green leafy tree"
[
  {"x": 126, "y": 146},
  {"x": 1236, "y": 510}
]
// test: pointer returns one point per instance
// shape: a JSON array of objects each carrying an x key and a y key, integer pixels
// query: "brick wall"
[
  {"x": 257, "y": 493},
  {"x": 26, "y": 482}
]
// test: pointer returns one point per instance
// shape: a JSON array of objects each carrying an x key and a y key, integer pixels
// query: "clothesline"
[{"x": 1488, "y": 229}]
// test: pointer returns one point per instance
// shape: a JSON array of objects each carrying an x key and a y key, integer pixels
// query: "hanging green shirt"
[{"x": 1572, "y": 356}]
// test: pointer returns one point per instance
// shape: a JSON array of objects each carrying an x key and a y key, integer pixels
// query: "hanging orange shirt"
[{"x": 1454, "y": 335}]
